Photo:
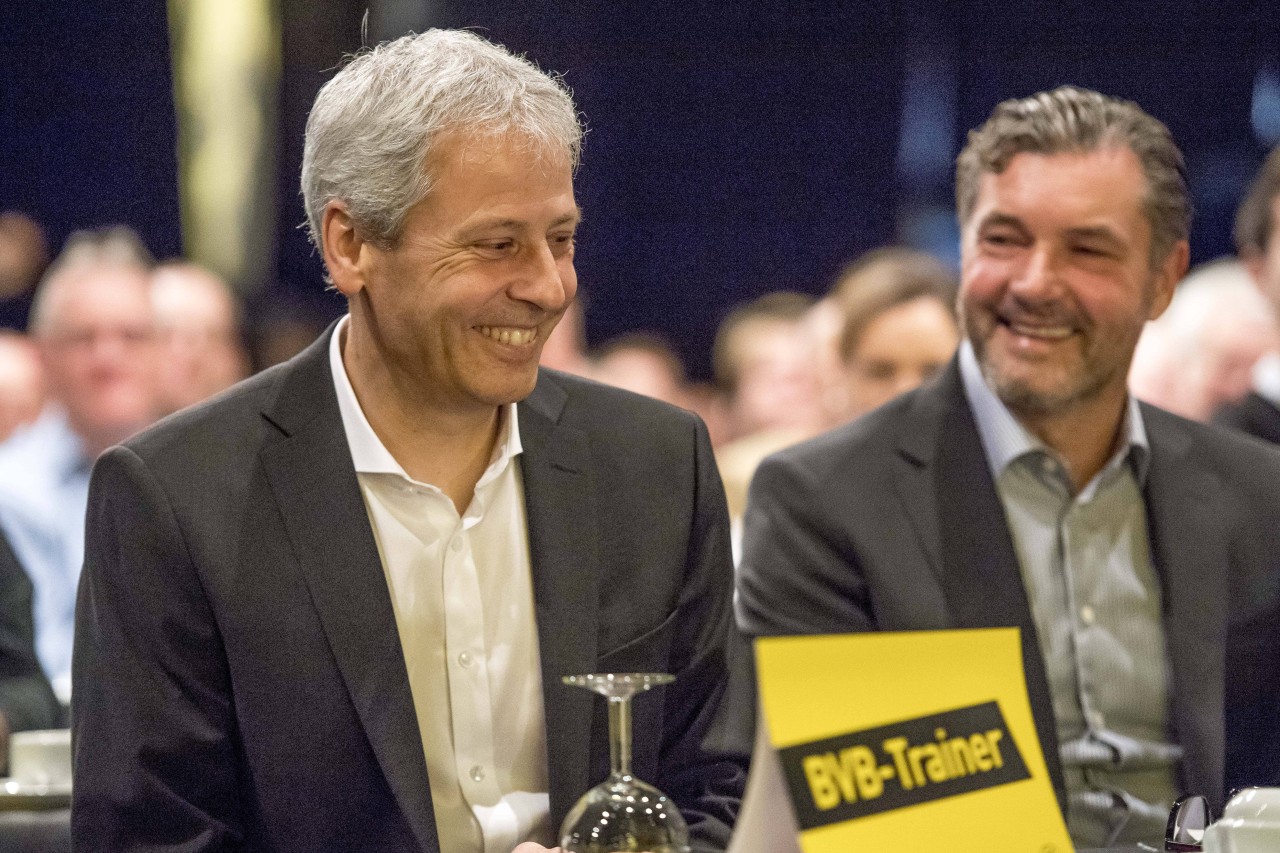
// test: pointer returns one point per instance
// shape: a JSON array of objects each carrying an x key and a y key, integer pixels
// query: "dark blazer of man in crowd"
[
  {"x": 1258, "y": 242},
  {"x": 1137, "y": 551},
  {"x": 247, "y": 674},
  {"x": 26, "y": 699}
]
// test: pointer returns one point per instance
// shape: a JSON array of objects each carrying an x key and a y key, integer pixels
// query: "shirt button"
[
  {"x": 477, "y": 774},
  {"x": 455, "y": 545},
  {"x": 464, "y": 659},
  {"x": 1097, "y": 720},
  {"x": 1087, "y": 616}
]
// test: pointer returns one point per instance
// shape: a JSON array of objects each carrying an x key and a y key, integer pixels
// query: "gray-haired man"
[{"x": 332, "y": 610}]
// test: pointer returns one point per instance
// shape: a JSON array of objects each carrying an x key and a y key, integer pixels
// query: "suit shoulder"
[
  {"x": 584, "y": 401},
  {"x": 220, "y": 420},
  {"x": 1236, "y": 456}
]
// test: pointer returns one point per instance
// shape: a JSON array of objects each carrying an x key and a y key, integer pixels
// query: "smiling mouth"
[
  {"x": 509, "y": 334},
  {"x": 1041, "y": 332}
]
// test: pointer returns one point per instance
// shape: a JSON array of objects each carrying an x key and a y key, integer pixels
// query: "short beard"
[{"x": 1021, "y": 399}]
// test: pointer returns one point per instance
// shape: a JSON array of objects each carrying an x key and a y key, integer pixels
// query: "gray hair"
[
  {"x": 374, "y": 125},
  {"x": 1072, "y": 120},
  {"x": 113, "y": 247}
]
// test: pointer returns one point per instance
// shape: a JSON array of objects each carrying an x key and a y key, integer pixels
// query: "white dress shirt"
[{"x": 462, "y": 594}]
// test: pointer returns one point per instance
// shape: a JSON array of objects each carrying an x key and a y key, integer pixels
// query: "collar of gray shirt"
[{"x": 1005, "y": 439}]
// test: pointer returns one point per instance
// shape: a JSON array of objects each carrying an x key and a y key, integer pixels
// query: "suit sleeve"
[
  {"x": 709, "y": 708},
  {"x": 152, "y": 723},
  {"x": 26, "y": 699},
  {"x": 799, "y": 572}
]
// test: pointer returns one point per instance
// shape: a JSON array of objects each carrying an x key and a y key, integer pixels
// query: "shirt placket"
[{"x": 467, "y": 667}]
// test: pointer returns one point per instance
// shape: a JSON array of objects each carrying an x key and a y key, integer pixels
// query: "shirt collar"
[
  {"x": 58, "y": 442},
  {"x": 371, "y": 456},
  {"x": 1004, "y": 439}
]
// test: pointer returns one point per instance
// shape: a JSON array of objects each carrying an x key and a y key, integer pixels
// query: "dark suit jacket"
[
  {"x": 1255, "y": 415},
  {"x": 893, "y": 523},
  {"x": 238, "y": 677},
  {"x": 26, "y": 699}
]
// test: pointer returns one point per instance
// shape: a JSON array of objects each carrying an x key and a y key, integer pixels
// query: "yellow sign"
[{"x": 906, "y": 742}]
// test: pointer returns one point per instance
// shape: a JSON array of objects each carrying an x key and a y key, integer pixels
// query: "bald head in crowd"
[
  {"x": 93, "y": 324},
  {"x": 198, "y": 320}
]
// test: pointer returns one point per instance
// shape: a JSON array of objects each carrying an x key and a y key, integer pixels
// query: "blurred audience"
[
  {"x": 1257, "y": 235},
  {"x": 26, "y": 699},
  {"x": 763, "y": 363},
  {"x": 1199, "y": 355},
  {"x": 198, "y": 321},
  {"x": 21, "y": 382},
  {"x": 23, "y": 256},
  {"x": 284, "y": 321},
  {"x": 765, "y": 368},
  {"x": 898, "y": 326},
  {"x": 644, "y": 363},
  {"x": 92, "y": 322},
  {"x": 566, "y": 347}
]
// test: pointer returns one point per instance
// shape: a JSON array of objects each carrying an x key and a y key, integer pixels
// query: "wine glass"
[{"x": 622, "y": 814}]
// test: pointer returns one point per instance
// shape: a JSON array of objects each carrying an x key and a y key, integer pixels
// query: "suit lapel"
[
  {"x": 947, "y": 491},
  {"x": 560, "y": 494},
  {"x": 1189, "y": 551},
  {"x": 313, "y": 478}
]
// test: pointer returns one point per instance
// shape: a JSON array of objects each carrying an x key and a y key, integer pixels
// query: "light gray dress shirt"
[
  {"x": 44, "y": 490},
  {"x": 1095, "y": 598}
]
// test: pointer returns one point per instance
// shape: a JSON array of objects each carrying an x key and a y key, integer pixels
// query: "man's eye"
[
  {"x": 999, "y": 239},
  {"x": 493, "y": 246},
  {"x": 561, "y": 243}
]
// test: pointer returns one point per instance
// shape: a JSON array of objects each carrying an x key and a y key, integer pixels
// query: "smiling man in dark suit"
[
  {"x": 332, "y": 609},
  {"x": 1138, "y": 552}
]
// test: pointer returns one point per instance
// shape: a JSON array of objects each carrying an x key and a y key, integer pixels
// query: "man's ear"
[
  {"x": 1166, "y": 277},
  {"x": 345, "y": 250}
]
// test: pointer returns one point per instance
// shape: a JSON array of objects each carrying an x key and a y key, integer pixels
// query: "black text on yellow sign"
[{"x": 901, "y": 764}]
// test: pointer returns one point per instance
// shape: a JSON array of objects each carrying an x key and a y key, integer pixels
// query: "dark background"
[{"x": 734, "y": 148}]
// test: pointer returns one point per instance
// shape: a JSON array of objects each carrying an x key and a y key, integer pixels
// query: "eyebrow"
[
  {"x": 998, "y": 219},
  {"x": 1097, "y": 232},
  {"x": 490, "y": 224},
  {"x": 1089, "y": 232}
]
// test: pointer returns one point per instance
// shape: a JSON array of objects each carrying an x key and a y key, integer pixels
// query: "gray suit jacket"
[
  {"x": 893, "y": 523},
  {"x": 238, "y": 677}
]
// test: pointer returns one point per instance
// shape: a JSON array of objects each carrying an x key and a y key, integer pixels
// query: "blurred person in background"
[
  {"x": 1257, "y": 234},
  {"x": 21, "y": 383},
  {"x": 566, "y": 346},
  {"x": 766, "y": 370},
  {"x": 198, "y": 321},
  {"x": 24, "y": 254},
  {"x": 92, "y": 323},
  {"x": 1199, "y": 355},
  {"x": 898, "y": 325},
  {"x": 764, "y": 367},
  {"x": 26, "y": 699},
  {"x": 644, "y": 363}
]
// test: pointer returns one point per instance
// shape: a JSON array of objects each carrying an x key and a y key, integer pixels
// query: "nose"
[
  {"x": 1039, "y": 277},
  {"x": 546, "y": 280}
]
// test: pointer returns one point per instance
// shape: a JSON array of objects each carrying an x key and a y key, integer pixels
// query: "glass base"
[{"x": 624, "y": 815}]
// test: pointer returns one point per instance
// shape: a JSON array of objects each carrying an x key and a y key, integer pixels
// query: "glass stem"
[{"x": 620, "y": 735}]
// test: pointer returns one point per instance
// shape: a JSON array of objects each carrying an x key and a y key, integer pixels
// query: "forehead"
[
  {"x": 507, "y": 178},
  {"x": 99, "y": 295},
  {"x": 1070, "y": 188}
]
